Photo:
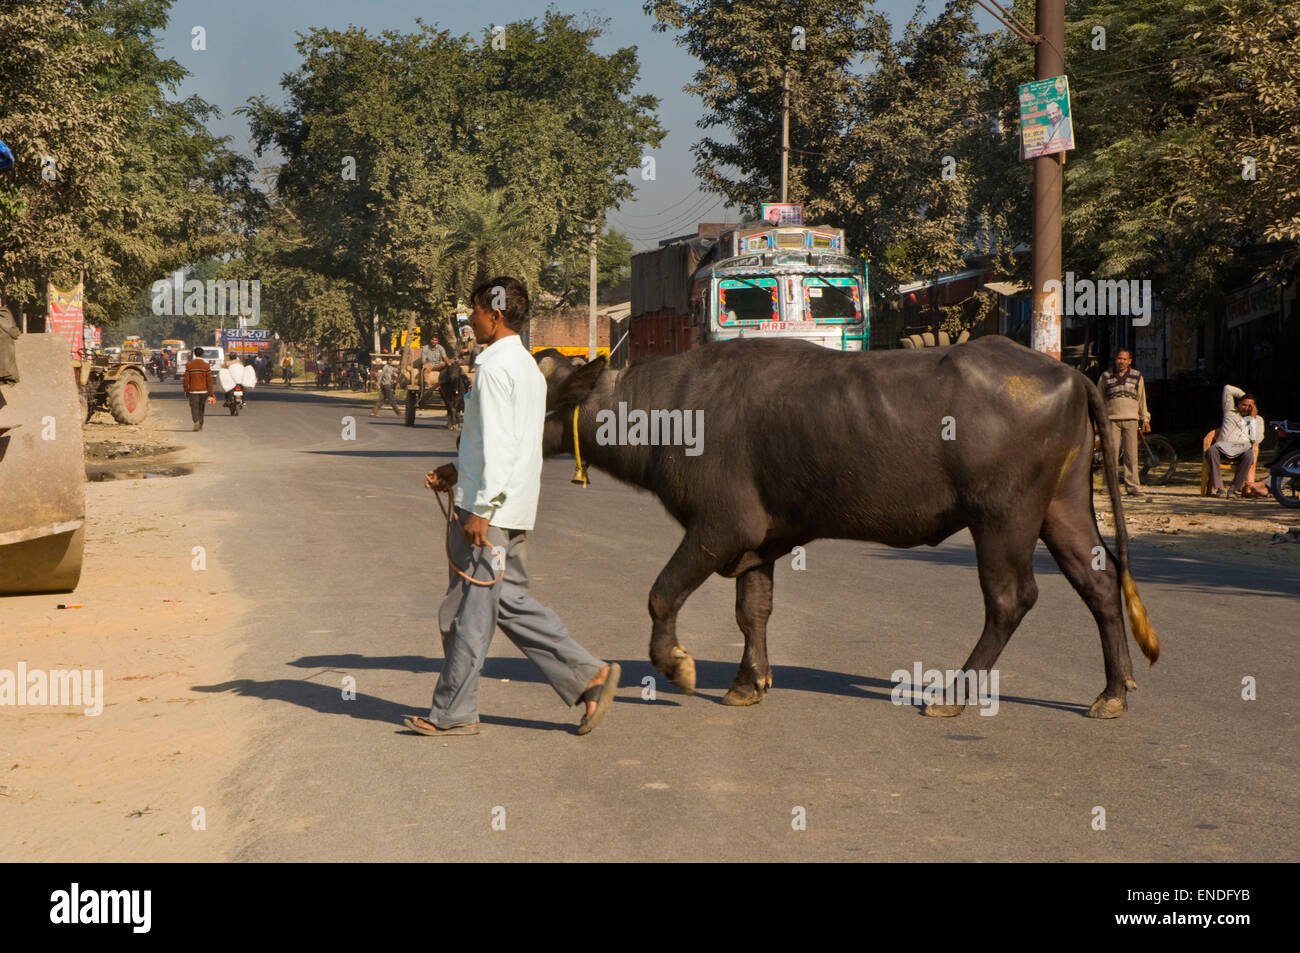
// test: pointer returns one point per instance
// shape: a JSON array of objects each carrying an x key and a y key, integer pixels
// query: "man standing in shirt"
[
  {"x": 387, "y": 393},
  {"x": 198, "y": 386},
  {"x": 497, "y": 480},
  {"x": 1126, "y": 406},
  {"x": 1239, "y": 435}
]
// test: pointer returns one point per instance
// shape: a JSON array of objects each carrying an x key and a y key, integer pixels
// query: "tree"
[
  {"x": 879, "y": 149},
  {"x": 115, "y": 179},
  {"x": 745, "y": 50},
  {"x": 1164, "y": 115},
  {"x": 569, "y": 278},
  {"x": 413, "y": 162}
]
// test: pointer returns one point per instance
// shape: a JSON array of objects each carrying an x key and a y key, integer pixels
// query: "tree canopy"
[
  {"x": 1184, "y": 115},
  {"x": 115, "y": 178},
  {"x": 414, "y": 163}
]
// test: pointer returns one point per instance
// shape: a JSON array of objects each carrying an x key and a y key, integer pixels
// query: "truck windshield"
[
  {"x": 746, "y": 299},
  {"x": 831, "y": 299}
]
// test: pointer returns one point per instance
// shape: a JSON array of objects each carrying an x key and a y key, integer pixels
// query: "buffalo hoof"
[
  {"x": 1105, "y": 707},
  {"x": 684, "y": 671},
  {"x": 943, "y": 711},
  {"x": 743, "y": 695}
]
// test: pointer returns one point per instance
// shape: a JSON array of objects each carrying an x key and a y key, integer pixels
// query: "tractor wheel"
[{"x": 128, "y": 398}]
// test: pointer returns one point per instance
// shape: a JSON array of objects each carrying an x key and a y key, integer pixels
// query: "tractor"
[{"x": 116, "y": 384}]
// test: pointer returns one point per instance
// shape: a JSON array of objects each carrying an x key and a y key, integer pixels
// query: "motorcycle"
[
  {"x": 235, "y": 400},
  {"x": 1284, "y": 473}
]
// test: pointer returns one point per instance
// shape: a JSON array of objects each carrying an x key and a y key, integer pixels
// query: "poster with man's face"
[{"x": 1045, "y": 126}]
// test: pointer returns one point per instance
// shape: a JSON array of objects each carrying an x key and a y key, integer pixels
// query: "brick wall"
[{"x": 566, "y": 329}]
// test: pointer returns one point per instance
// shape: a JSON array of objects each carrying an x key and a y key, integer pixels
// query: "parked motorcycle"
[{"x": 1284, "y": 473}]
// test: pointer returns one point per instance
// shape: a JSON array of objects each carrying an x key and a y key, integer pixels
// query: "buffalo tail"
[{"x": 1143, "y": 632}]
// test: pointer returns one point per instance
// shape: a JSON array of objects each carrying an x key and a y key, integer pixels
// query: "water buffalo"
[
  {"x": 453, "y": 383},
  {"x": 896, "y": 447}
]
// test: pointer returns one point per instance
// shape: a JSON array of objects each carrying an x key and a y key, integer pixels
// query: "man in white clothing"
[
  {"x": 1239, "y": 435},
  {"x": 497, "y": 480}
]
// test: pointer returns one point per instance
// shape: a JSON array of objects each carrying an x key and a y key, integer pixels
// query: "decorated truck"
[{"x": 750, "y": 281}]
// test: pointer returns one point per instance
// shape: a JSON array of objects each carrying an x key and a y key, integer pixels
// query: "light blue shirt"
[{"x": 499, "y": 469}]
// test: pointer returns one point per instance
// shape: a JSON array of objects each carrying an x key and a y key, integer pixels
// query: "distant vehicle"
[
  {"x": 178, "y": 369},
  {"x": 749, "y": 281},
  {"x": 176, "y": 344}
]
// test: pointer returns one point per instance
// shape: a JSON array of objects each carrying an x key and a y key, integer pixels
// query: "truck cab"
[{"x": 787, "y": 282}]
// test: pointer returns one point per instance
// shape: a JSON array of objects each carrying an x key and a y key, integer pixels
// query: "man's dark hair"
[
  {"x": 1124, "y": 350},
  {"x": 1244, "y": 397},
  {"x": 198, "y": 352},
  {"x": 491, "y": 294}
]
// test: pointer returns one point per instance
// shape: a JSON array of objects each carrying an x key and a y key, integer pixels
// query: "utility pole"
[
  {"x": 785, "y": 135},
  {"x": 1049, "y": 61},
  {"x": 591, "y": 301}
]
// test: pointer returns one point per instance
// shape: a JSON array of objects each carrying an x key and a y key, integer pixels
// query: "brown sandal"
[
  {"x": 607, "y": 689},
  {"x": 423, "y": 727}
]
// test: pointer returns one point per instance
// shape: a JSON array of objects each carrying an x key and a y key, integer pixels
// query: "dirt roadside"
[
  {"x": 124, "y": 784},
  {"x": 1177, "y": 518}
]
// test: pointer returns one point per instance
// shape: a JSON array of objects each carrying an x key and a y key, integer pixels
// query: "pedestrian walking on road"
[
  {"x": 1126, "y": 406},
  {"x": 198, "y": 386},
  {"x": 497, "y": 480},
  {"x": 387, "y": 389}
]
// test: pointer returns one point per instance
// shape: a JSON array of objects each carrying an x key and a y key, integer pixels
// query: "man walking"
[
  {"x": 1126, "y": 406},
  {"x": 497, "y": 479},
  {"x": 198, "y": 386},
  {"x": 387, "y": 389}
]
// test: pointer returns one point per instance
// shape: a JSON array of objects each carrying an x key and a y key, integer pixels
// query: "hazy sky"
[{"x": 250, "y": 45}]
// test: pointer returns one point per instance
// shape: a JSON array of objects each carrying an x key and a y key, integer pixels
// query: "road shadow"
[
  {"x": 1186, "y": 570},
  {"x": 328, "y": 700},
  {"x": 265, "y": 394},
  {"x": 382, "y": 453},
  {"x": 710, "y": 676}
]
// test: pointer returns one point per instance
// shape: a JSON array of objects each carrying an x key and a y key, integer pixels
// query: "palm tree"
[{"x": 485, "y": 236}]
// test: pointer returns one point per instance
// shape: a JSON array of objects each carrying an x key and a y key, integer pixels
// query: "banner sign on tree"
[
  {"x": 65, "y": 315},
  {"x": 1045, "y": 124}
]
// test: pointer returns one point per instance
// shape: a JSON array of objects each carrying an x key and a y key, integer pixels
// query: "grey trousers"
[
  {"x": 387, "y": 395},
  {"x": 1126, "y": 440},
  {"x": 1215, "y": 457},
  {"x": 470, "y": 614}
]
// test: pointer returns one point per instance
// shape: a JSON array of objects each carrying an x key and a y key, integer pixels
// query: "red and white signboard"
[{"x": 65, "y": 316}]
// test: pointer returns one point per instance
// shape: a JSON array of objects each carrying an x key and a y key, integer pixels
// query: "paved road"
[{"x": 342, "y": 550}]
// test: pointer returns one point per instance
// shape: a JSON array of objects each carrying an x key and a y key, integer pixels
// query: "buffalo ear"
[{"x": 575, "y": 388}]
